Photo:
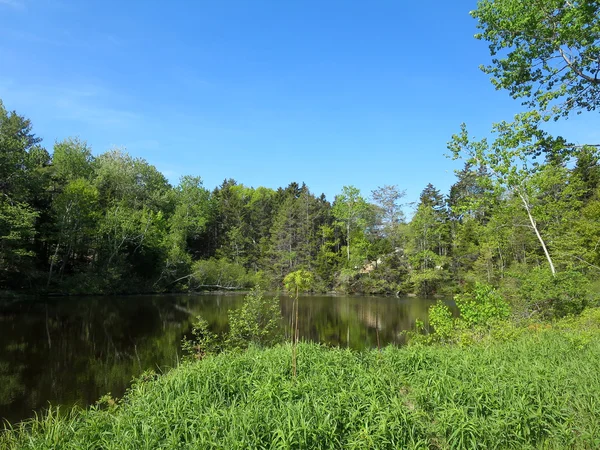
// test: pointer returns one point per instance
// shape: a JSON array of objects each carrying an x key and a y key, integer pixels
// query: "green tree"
[
  {"x": 258, "y": 321},
  {"x": 75, "y": 217},
  {"x": 387, "y": 198},
  {"x": 72, "y": 159},
  {"x": 544, "y": 52},
  {"x": 350, "y": 210},
  {"x": 20, "y": 157},
  {"x": 296, "y": 282},
  {"x": 510, "y": 161}
]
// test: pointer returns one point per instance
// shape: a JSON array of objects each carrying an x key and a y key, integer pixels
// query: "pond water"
[{"x": 66, "y": 351}]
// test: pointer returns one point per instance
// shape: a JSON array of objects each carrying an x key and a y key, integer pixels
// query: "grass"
[{"x": 539, "y": 388}]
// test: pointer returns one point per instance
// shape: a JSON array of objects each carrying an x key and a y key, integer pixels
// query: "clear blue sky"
[{"x": 331, "y": 93}]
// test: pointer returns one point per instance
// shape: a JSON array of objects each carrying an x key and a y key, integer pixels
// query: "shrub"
[
  {"x": 257, "y": 321},
  {"x": 221, "y": 273},
  {"x": 204, "y": 341},
  {"x": 481, "y": 306},
  {"x": 440, "y": 318},
  {"x": 481, "y": 309},
  {"x": 554, "y": 296}
]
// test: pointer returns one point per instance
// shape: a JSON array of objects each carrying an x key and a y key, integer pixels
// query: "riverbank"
[{"x": 535, "y": 388}]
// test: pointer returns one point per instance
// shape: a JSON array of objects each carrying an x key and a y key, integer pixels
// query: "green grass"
[{"x": 535, "y": 389}]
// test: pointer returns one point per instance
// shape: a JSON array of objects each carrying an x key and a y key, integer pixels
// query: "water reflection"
[{"x": 73, "y": 350}]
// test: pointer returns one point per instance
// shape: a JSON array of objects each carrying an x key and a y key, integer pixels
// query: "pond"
[{"x": 73, "y": 350}]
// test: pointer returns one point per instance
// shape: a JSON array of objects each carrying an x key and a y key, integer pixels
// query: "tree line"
[
  {"x": 522, "y": 214},
  {"x": 72, "y": 222}
]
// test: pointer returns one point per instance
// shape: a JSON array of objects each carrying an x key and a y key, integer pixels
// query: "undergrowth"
[{"x": 537, "y": 388}]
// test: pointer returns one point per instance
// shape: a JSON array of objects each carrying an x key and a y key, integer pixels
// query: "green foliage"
[
  {"x": 17, "y": 227},
  {"x": 204, "y": 342},
  {"x": 538, "y": 390},
  {"x": 77, "y": 223},
  {"x": 298, "y": 281},
  {"x": 72, "y": 159},
  {"x": 481, "y": 306},
  {"x": 541, "y": 293},
  {"x": 482, "y": 311},
  {"x": 258, "y": 321},
  {"x": 440, "y": 318},
  {"x": 427, "y": 281},
  {"x": 220, "y": 273},
  {"x": 351, "y": 213},
  {"x": 543, "y": 54}
]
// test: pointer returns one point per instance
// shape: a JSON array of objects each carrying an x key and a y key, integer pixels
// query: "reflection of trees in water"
[
  {"x": 74, "y": 350},
  {"x": 356, "y": 322}
]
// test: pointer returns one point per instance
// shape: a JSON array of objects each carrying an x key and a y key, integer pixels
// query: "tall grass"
[{"x": 540, "y": 389}]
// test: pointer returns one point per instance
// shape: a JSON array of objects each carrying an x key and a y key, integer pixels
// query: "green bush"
[
  {"x": 481, "y": 310},
  {"x": 440, "y": 318},
  {"x": 553, "y": 296},
  {"x": 204, "y": 341},
  {"x": 481, "y": 306},
  {"x": 220, "y": 273},
  {"x": 258, "y": 321}
]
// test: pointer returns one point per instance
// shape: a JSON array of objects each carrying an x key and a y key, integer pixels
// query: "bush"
[
  {"x": 481, "y": 306},
  {"x": 440, "y": 318},
  {"x": 554, "y": 296},
  {"x": 258, "y": 321},
  {"x": 481, "y": 309},
  {"x": 220, "y": 273},
  {"x": 203, "y": 343}
]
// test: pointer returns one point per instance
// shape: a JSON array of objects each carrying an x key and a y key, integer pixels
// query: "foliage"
[
  {"x": 257, "y": 321},
  {"x": 545, "y": 53},
  {"x": 298, "y": 281},
  {"x": 220, "y": 273},
  {"x": 440, "y": 318},
  {"x": 541, "y": 293},
  {"x": 74, "y": 222},
  {"x": 481, "y": 306},
  {"x": 482, "y": 309},
  {"x": 350, "y": 210},
  {"x": 508, "y": 394},
  {"x": 203, "y": 343}
]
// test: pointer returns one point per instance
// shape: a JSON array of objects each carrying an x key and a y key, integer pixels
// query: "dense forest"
[
  {"x": 523, "y": 212},
  {"x": 515, "y": 240}
]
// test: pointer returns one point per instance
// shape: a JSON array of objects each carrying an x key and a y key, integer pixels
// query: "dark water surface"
[{"x": 66, "y": 351}]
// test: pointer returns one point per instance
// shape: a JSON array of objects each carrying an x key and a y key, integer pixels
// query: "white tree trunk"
[{"x": 537, "y": 233}]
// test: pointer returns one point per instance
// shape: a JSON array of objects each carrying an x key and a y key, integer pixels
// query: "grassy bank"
[{"x": 537, "y": 388}]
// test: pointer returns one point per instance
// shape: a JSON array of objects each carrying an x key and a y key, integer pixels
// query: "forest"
[
  {"x": 515, "y": 242},
  {"x": 72, "y": 223},
  {"x": 522, "y": 214}
]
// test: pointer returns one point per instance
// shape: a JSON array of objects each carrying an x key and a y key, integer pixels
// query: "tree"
[
  {"x": 544, "y": 52},
  {"x": 296, "y": 282},
  {"x": 510, "y": 160},
  {"x": 388, "y": 198},
  {"x": 121, "y": 178},
  {"x": 294, "y": 234},
  {"x": 20, "y": 156},
  {"x": 349, "y": 208},
  {"x": 429, "y": 234},
  {"x": 75, "y": 215},
  {"x": 72, "y": 159},
  {"x": 430, "y": 223}
]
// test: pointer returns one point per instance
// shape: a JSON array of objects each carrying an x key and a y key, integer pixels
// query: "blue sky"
[{"x": 330, "y": 93}]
